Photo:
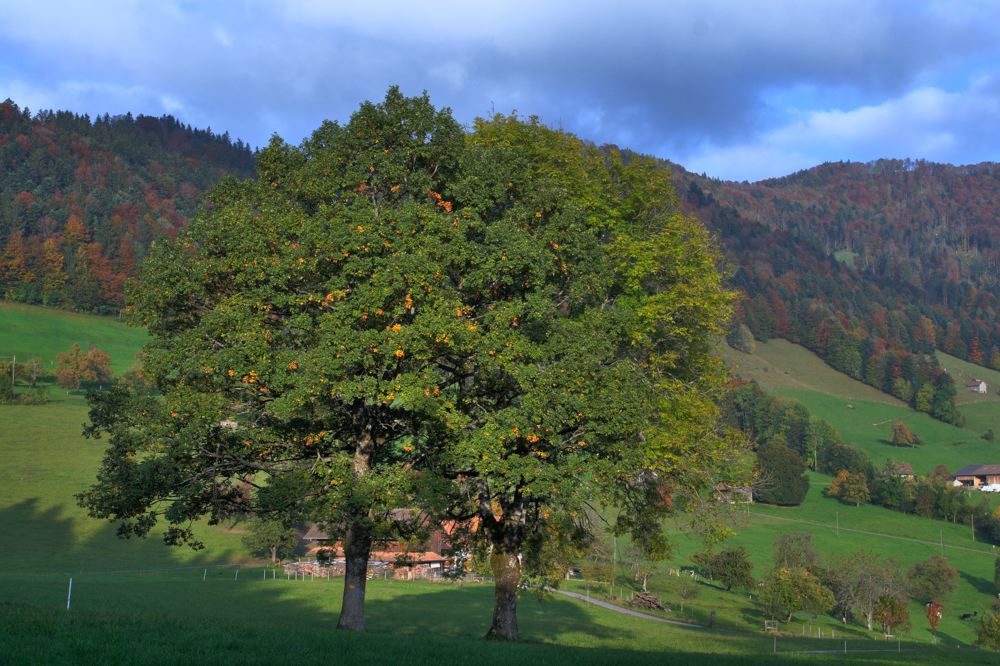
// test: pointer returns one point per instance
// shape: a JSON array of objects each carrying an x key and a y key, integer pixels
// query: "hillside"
[
  {"x": 871, "y": 266},
  {"x": 28, "y": 331},
  {"x": 134, "y": 600},
  {"x": 82, "y": 199},
  {"x": 779, "y": 365},
  {"x": 862, "y": 416}
]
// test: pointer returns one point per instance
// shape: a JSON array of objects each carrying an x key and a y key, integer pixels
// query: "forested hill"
[
  {"x": 81, "y": 199},
  {"x": 870, "y": 265}
]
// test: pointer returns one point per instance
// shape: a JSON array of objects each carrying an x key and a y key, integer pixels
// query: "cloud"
[
  {"x": 926, "y": 123},
  {"x": 678, "y": 79}
]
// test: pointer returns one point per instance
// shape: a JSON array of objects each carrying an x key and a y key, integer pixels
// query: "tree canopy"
[{"x": 499, "y": 327}]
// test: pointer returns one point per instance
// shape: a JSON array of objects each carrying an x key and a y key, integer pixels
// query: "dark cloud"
[{"x": 681, "y": 79}]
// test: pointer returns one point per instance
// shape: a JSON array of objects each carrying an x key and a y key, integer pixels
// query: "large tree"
[
  {"x": 295, "y": 328},
  {"x": 583, "y": 361},
  {"x": 521, "y": 318}
]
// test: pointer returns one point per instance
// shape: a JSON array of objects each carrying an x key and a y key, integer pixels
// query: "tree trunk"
[
  {"x": 357, "y": 546},
  {"x": 869, "y": 620},
  {"x": 358, "y": 538},
  {"x": 274, "y": 554},
  {"x": 507, "y": 573}
]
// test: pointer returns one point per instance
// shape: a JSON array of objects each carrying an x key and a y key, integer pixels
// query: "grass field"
[
  {"x": 139, "y": 601},
  {"x": 868, "y": 426},
  {"x": 29, "y": 330},
  {"x": 964, "y": 372},
  {"x": 779, "y": 365},
  {"x": 864, "y": 416}
]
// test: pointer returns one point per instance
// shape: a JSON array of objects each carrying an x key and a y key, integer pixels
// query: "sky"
[{"x": 736, "y": 89}]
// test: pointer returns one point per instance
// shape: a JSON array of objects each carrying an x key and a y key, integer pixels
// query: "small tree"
[
  {"x": 932, "y": 580},
  {"x": 731, "y": 567},
  {"x": 71, "y": 368},
  {"x": 850, "y": 487},
  {"x": 903, "y": 436},
  {"x": 741, "y": 339},
  {"x": 642, "y": 565},
  {"x": 687, "y": 590},
  {"x": 933, "y": 611},
  {"x": 988, "y": 631},
  {"x": 795, "y": 551},
  {"x": 269, "y": 537},
  {"x": 891, "y": 613},
  {"x": 6, "y": 382},
  {"x": 74, "y": 368},
  {"x": 786, "y": 591},
  {"x": 31, "y": 370},
  {"x": 780, "y": 475}
]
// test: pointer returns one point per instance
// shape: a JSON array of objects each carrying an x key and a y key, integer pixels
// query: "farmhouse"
[
  {"x": 402, "y": 560},
  {"x": 733, "y": 494},
  {"x": 977, "y": 386},
  {"x": 902, "y": 470},
  {"x": 976, "y": 476}
]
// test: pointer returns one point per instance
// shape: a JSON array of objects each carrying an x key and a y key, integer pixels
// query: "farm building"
[
  {"x": 977, "y": 476},
  {"x": 977, "y": 386},
  {"x": 733, "y": 494},
  {"x": 903, "y": 470},
  {"x": 406, "y": 561}
]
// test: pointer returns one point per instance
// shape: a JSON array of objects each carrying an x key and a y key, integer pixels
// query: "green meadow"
[
  {"x": 139, "y": 601},
  {"x": 30, "y": 330}
]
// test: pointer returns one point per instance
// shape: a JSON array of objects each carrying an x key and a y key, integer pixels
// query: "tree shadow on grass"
[
  {"x": 979, "y": 583},
  {"x": 195, "y": 612}
]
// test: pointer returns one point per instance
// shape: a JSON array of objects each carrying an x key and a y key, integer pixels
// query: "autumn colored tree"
[
  {"x": 932, "y": 580},
  {"x": 75, "y": 368},
  {"x": 849, "y": 487},
  {"x": 892, "y": 614},
  {"x": 902, "y": 436},
  {"x": 934, "y": 612}
]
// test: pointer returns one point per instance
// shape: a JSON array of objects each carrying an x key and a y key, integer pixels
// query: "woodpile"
[{"x": 646, "y": 601}]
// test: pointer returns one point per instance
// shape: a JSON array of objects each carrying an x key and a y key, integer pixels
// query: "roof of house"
[
  {"x": 902, "y": 468},
  {"x": 978, "y": 470},
  {"x": 975, "y": 382}
]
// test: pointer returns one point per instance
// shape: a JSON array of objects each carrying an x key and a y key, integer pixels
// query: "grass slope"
[
  {"x": 868, "y": 426},
  {"x": 29, "y": 330},
  {"x": 779, "y": 365},
  {"x": 864, "y": 416},
  {"x": 158, "y": 609},
  {"x": 964, "y": 372}
]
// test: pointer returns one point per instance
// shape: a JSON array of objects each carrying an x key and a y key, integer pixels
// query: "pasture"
[{"x": 140, "y": 601}]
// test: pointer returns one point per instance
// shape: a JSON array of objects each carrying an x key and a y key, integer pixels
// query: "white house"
[{"x": 977, "y": 386}]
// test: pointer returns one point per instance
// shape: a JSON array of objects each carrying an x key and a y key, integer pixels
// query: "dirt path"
[{"x": 619, "y": 609}]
